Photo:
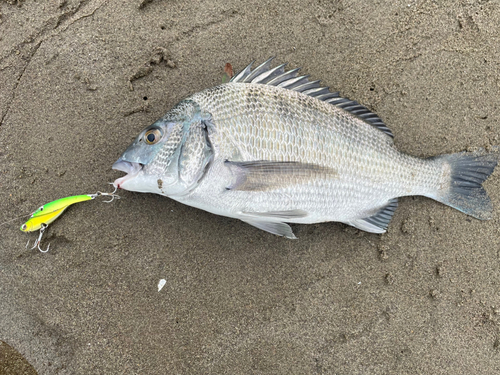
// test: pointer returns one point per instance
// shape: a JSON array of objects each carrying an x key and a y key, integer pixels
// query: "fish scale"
[
  {"x": 271, "y": 147},
  {"x": 338, "y": 143}
]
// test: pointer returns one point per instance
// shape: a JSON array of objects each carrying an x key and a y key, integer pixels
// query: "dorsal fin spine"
[
  {"x": 264, "y": 67},
  {"x": 245, "y": 72},
  {"x": 285, "y": 76},
  {"x": 292, "y": 82},
  {"x": 263, "y": 78}
]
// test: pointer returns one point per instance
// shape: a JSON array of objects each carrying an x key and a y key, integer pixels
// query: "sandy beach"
[{"x": 79, "y": 79}]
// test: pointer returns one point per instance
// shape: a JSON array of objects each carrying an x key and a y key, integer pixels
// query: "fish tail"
[{"x": 463, "y": 175}]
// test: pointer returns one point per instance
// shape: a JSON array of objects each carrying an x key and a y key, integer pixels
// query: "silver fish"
[{"x": 271, "y": 147}]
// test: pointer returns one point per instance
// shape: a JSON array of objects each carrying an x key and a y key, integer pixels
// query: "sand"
[{"x": 79, "y": 79}]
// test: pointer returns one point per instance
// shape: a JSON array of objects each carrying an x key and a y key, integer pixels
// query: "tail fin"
[{"x": 468, "y": 170}]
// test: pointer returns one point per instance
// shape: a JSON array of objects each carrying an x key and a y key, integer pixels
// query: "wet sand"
[{"x": 79, "y": 80}]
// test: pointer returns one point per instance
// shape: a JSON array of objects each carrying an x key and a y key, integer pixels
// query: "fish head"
[
  {"x": 152, "y": 161},
  {"x": 151, "y": 158}
]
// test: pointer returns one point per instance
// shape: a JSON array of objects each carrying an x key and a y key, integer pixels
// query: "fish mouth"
[{"x": 131, "y": 168}]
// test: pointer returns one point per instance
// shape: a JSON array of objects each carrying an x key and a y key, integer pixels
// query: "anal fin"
[{"x": 379, "y": 222}]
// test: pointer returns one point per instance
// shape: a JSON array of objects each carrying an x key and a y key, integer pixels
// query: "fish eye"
[
  {"x": 152, "y": 136},
  {"x": 24, "y": 227}
]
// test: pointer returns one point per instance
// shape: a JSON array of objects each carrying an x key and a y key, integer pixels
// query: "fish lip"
[
  {"x": 131, "y": 168},
  {"x": 127, "y": 166}
]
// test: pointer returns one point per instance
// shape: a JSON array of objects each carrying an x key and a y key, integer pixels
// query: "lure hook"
[
  {"x": 112, "y": 194},
  {"x": 39, "y": 239}
]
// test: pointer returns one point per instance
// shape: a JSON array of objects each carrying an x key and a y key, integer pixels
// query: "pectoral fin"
[
  {"x": 263, "y": 175},
  {"x": 280, "y": 215}
]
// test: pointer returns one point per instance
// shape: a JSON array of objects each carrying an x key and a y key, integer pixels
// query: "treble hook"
[
  {"x": 39, "y": 239},
  {"x": 112, "y": 195}
]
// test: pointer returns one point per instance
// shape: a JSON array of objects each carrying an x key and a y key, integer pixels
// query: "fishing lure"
[{"x": 46, "y": 214}]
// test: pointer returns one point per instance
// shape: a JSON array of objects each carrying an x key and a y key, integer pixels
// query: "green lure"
[
  {"x": 49, "y": 212},
  {"x": 46, "y": 214}
]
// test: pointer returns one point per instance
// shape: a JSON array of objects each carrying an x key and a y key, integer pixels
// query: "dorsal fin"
[{"x": 290, "y": 80}]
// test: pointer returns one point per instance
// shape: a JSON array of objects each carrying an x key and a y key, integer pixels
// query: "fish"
[{"x": 272, "y": 147}]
